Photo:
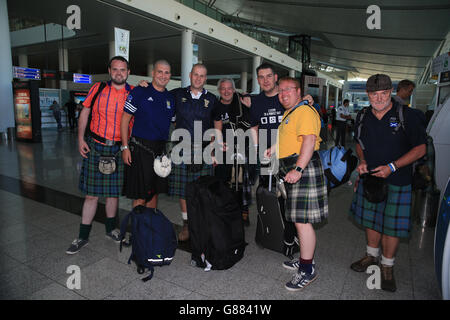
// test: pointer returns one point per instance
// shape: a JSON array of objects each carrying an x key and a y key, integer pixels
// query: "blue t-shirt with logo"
[
  {"x": 266, "y": 113},
  {"x": 153, "y": 111}
]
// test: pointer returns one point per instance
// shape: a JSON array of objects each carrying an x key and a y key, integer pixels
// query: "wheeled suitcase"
[
  {"x": 216, "y": 229},
  {"x": 272, "y": 230}
]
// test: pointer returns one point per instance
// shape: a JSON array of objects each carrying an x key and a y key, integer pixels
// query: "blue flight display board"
[
  {"x": 26, "y": 73},
  {"x": 82, "y": 78}
]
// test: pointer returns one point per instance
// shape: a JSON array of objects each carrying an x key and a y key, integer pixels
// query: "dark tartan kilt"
[
  {"x": 92, "y": 181},
  {"x": 141, "y": 181},
  {"x": 180, "y": 176},
  {"x": 224, "y": 171},
  {"x": 391, "y": 217},
  {"x": 307, "y": 200}
]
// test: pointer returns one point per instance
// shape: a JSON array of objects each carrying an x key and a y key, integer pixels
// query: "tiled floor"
[{"x": 39, "y": 217}]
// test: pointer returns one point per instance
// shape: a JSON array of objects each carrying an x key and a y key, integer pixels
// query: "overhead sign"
[
  {"x": 122, "y": 42},
  {"x": 26, "y": 73},
  {"x": 82, "y": 78},
  {"x": 445, "y": 77},
  {"x": 357, "y": 86},
  {"x": 49, "y": 74},
  {"x": 441, "y": 64}
]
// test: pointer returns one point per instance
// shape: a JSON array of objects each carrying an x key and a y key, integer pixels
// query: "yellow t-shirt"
[{"x": 301, "y": 122}]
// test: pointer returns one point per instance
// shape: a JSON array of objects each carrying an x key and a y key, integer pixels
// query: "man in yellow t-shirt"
[{"x": 307, "y": 202}]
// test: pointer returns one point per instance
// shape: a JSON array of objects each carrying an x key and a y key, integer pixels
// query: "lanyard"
[{"x": 301, "y": 103}]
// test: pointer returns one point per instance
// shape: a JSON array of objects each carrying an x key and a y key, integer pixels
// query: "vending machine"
[{"x": 27, "y": 111}]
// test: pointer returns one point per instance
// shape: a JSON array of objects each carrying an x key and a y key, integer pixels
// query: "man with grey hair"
[
  {"x": 386, "y": 147},
  {"x": 234, "y": 116}
]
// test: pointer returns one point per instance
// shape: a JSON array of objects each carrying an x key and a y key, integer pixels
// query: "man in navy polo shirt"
[
  {"x": 386, "y": 148},
  {"x": 152, "y": 108},
  {"x": 193, "y": 103}
]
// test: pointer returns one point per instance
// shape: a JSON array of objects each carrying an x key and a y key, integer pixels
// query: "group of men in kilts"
[{"x": 111, "y": 110}]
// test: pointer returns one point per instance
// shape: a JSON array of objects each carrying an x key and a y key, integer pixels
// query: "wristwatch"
[
  {"x": 299, "y": 169},
  {"x": 123, "y": 148}
]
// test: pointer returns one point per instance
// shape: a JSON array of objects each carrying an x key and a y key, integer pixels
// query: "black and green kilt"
[
  {"x": 391, "y": 217},
  {"x": 141, "y": 181},
  {"x": 92, "y": 181},
  {"x": 181, "y": 175},
  {"x": 307, "y": 200}
]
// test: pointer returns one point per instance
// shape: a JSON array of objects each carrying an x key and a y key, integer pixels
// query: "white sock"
[
  {"x": 184, "y": 215},
  {"x": 387, "y": 262},
  {"x": 374, "y": 252}
]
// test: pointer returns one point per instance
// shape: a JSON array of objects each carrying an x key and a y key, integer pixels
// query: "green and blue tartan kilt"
[
  {"x": 391, "y": 217},
  {"x": 180, "y": 176},
  {"x": 92, "y": 181},
  {"x": 307, "y": 200}
]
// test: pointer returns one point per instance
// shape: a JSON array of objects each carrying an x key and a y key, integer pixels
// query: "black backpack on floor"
[{"x": 216, "y": 229}]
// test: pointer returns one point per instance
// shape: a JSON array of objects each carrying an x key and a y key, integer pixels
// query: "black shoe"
[{"x": 76, "y": 245}]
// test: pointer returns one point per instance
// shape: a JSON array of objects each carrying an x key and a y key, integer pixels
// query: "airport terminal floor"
[{"x": 40, "y": 208}]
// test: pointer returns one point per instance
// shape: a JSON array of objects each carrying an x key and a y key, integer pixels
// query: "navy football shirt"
[{"x": 153, "y": 111}]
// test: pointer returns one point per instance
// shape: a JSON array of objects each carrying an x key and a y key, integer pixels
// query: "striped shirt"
[{"x": 107, "y": 110}]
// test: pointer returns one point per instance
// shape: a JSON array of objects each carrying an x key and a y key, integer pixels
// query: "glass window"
[{"x": 200, "y": 7}]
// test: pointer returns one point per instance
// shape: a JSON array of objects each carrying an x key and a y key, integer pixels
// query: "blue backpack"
[
  {"x": 153, "y": 239},
  {"x": 338, "y": 165}
]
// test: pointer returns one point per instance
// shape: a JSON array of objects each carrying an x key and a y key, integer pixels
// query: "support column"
[
  {"x": 256, "y": 63},
  {"x": 112, "y": 49},
  {"x": 6, "y": 102},
  {"x": 244, "y": 76},
  {"x": 292, "y": 73},
  {"x": 336, "y": 99},
  {"x": 23, "y": 60},
  {"x": 149, "y": 69},
  {"x": 187, "y": 56},
  {"x": 63, "y": 59},
  {"x": 326, "y": 95},
  {"x": 150, "y": 62}
]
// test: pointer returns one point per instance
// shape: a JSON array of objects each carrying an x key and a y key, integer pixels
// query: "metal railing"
[{"x": 272, "y": 38}]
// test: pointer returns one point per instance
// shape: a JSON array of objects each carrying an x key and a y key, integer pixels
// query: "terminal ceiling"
[
  {"x": 411, "y": 32},
  {"x": 150, "y": 39}
]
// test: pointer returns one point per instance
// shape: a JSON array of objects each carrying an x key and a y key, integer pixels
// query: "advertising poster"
[{"x": 22, "y": 108}]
